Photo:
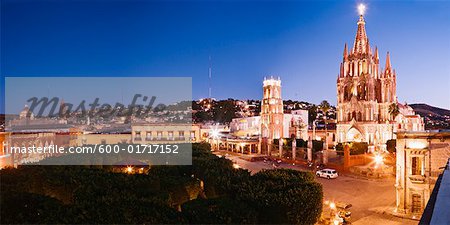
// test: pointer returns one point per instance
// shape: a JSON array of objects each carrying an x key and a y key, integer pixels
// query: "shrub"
[
  {"x": 221, "y": 210},
  {"x": 302, "y": 143},
  {"x": 391, "y": 145},
  {"x": 317, "y": 145},
  {"x": 356, "y": 148},
  {"x": 284, "y": 196},
  {"x": 81, "y": 195}
]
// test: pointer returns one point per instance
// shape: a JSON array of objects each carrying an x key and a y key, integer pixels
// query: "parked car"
[{"x": 327, "y": 173}]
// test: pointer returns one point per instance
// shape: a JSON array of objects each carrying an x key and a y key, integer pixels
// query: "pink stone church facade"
[{"x": 365, "y": 93}]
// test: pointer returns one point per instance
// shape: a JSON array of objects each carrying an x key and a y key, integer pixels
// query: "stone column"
[
  {"x": 309, "y": 149},
  {"x": 371, "y": 149},
  {"x": 294, "y": 149},
  {"x": 259, "y": 145},
  {"x": 346, "y": 156},
  {"x": 280, "y": 147},
  {"x": 269, "y": 146}
]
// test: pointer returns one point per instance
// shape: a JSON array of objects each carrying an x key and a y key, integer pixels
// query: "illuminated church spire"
[{"x": 361, "y": 44}]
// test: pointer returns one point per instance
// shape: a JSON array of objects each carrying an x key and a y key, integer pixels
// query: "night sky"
[{"x": 300, "y": 41}]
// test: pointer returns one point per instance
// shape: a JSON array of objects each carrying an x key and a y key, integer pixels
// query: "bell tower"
[{"x": 271, "y": 110}]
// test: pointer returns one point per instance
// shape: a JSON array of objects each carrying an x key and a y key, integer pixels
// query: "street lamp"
[
  {"x": 215, "y": 136},
  {"x": 332, "y": 205},
  {"x": 215, "y": 133},
  {"x": 378, "y": 159}
]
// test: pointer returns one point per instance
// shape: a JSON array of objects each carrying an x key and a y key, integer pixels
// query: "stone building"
[
  {"x": 150, "y": 133},
  {"x": 365, "y": 94},
  {"x": 421, "y": 158}
]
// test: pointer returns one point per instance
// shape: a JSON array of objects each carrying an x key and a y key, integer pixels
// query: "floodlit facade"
[
  {"x": 365, "y": 94},
  {"x": 292, "y": 125},
  {"x": 421, "y": 158}
]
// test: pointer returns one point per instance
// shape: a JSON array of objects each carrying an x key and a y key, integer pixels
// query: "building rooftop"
[{"x": 424, "y": 134}]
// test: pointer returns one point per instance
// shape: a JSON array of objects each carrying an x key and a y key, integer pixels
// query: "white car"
[{"x": 327, "y": 173}]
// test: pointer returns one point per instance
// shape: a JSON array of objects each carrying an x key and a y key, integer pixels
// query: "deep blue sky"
[{"x": 300, "y": 41}]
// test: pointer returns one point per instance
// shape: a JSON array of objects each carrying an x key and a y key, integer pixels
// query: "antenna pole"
[{"x": 209, "y": 78}]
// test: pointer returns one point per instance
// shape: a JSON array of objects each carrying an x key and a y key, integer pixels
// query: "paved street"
[{"x": 370, "y": 199}]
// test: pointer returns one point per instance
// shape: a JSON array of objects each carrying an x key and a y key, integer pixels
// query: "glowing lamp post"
[
  {"x": 332, "y": 205},
  {"x": 379, "y": 160}
]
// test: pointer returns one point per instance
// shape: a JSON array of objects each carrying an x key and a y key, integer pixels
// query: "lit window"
[{"x": 416, "y": 166}]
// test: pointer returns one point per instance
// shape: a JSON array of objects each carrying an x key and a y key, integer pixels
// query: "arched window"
[
  {"x": 362, "y": 91},
  {"x": 348, "y": 92}
]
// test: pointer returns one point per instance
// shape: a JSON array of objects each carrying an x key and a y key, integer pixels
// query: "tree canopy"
[{"x": 208, "y": 191}]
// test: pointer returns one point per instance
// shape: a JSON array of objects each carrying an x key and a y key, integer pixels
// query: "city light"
[
  {"x": 332, "y": 205},
  {"x": 129, "y": 169},
  {"x": 236, "y": 166},
  {"x": 215, "y": 133}
]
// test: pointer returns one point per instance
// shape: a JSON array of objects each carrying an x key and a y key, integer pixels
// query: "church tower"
[
  {"x": 364, "y": 93},
  {"x": 271, "y": 111}
]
